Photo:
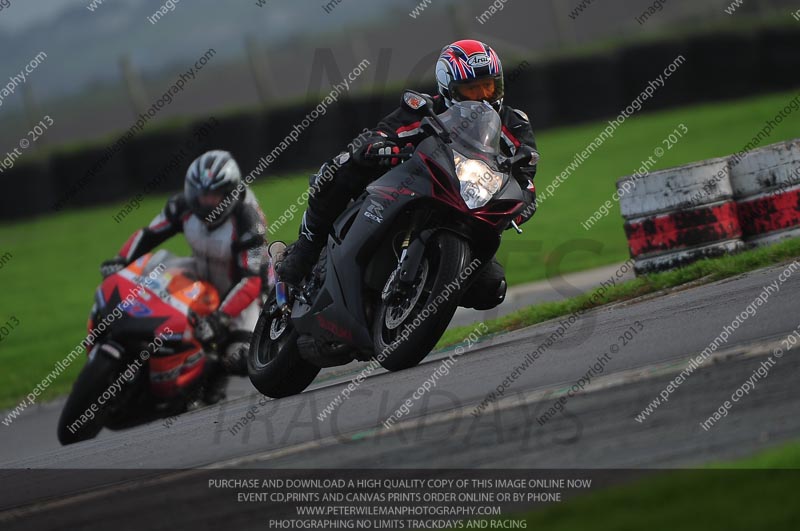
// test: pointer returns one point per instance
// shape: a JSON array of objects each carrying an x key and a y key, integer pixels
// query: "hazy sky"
[{"x": 23, "y": 13}]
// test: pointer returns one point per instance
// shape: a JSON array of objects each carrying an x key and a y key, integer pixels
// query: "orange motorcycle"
[{"x": 144, "y": 361}]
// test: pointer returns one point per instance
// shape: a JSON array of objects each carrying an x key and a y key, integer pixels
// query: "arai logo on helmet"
[{"x": 479, "y": 60}]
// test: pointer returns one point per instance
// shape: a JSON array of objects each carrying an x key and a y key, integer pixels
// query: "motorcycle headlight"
[{"x": 479, "y": 182}]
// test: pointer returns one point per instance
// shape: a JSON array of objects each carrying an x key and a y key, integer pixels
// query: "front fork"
[
  {"x": 283, "y": 297},
  {"x": 412, "y": 253}
]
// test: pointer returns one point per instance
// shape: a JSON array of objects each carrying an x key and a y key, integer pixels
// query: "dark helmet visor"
[{"x": 488, "y": 89}]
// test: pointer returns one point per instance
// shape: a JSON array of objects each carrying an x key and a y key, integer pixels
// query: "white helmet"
[{"x": 213, "y": 187}]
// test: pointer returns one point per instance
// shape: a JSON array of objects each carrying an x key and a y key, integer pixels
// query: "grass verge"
[
  {"x": 708, "y": 270},
  {"x": 49, "y": 281},
  {"x": 753, "y": 493}
]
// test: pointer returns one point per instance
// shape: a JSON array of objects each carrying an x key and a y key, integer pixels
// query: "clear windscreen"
[{"x": 474, "y": 127}]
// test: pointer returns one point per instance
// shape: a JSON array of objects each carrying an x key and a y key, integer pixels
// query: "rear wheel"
[
  {"x": 83, "y": 416},
  {"x": 274, "y": 363},
  {"x": 406, "y": 330}
]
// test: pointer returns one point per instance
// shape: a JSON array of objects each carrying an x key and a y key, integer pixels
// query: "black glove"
[
  {"x": 367, "y": 154},
  {"x": 110, "y": 267},
  {"x": 210, "y": 329}
]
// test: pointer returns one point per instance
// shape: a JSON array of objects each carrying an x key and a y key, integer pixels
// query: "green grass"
[
  {"x": 784, "y": 457},
  {"x": 714, "y": 130},
  {"x": 49, "y": 283},
  {"x": 739, "y": 495},
  {"x": 708, "y": 270}
]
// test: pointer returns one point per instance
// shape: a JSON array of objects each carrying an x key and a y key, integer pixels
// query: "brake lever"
[{"x": 516, "y": 227}]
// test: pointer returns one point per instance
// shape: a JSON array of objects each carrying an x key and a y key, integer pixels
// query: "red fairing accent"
[
  {"x": 497, "y": 212},
  {"x": 335, "y": 329},
  {"x": 173, "y": 374},
  {"x": 386, "y": 192},
  {"x": 190, "y": 375},
  {"x": 442, "y": 189},
  {"x": 511, "y": 137},
  {"x": 241, "y": 296},
  {"x": 126, "y": 249},
  {"x": 680, "y": 230}
]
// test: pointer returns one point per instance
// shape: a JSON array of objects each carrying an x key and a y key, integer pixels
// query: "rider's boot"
[
  {"x": 488, "y": 290},
  {"x": 235, "y": 353},
  {"x": 299, "y": 257},
  {"x": 214, "y": 389},
  {"x": 331, "y": 190}
]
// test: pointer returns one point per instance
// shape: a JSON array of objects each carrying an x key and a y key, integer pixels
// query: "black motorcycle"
[{"x": 398, "y": 259}]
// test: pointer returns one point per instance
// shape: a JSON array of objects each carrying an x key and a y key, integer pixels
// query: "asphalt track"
[
  {"x": 598, "y": 429},
  {"x": 33, "y": 433}
]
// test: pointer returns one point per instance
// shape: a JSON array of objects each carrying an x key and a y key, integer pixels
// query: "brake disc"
[
  {"x": 397, "y": 313},
  {"x": 277, "y": 327}
]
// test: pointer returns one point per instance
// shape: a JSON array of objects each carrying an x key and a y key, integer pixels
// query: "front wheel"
[
  {"x": 274, "y": 363},
  {"x": 406, "y": 330},
  {"x": 83, "y": 416}
]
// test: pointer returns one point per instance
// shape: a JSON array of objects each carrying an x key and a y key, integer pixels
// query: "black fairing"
[{"x": 361, "y": 255}]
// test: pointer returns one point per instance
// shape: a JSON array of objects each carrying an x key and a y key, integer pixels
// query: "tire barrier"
[
  {"x": 676, "y": 216},
  {"x": 241, "y": 134},
  {"x": 32, "y": 193},
  {"x": 734, "y": 57},
  {"x": 766, "y": 185},
  {"x": 296, "y": 155},
  {"x": 568, "y": 79},
  {"x": 148, "y": 154},
  {"x": 647, "y": 61},
  {"x": 90, "y": 176},
  {"x": 530, "y": 91},
  {"x": 553, "y": 94},
  {"x": 780, "y": 62}
]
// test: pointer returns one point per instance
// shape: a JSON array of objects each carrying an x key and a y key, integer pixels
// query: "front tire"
[
  {"x": 95, "y": 377},
  {"x": 400, "y": 345},
  {"x": 274, "y": 363}
]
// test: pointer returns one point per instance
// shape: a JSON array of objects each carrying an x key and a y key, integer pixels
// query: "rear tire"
[
  {"x": 95, "y": 377},
  {"x": 274, "y": 363},
  {"x": 447, "y": 256}
]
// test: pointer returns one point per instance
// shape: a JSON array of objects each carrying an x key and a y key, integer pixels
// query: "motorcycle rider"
[
  {"x": 467, "y": 70},
  {"x": 225, "y": 228}
]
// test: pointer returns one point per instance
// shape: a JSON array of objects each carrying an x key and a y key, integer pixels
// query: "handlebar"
[{"x": 378, "y": 156}]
